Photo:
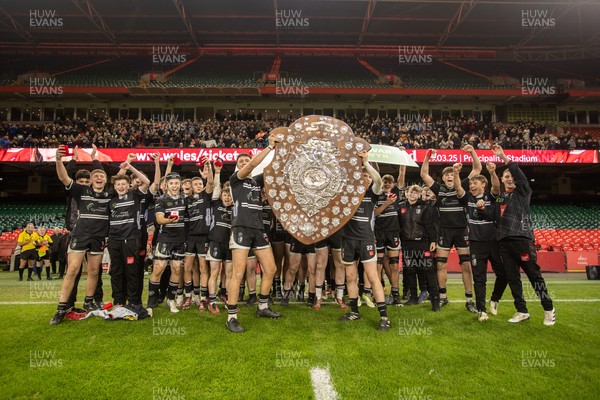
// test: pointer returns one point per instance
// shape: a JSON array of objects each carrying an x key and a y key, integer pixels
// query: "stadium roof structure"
[
  {"x": 513, "y": 29},
  {"x": 121, "y": 33}
]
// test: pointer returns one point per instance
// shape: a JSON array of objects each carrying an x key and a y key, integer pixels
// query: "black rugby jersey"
[
  {"x": 93, "y": 210},
  {"x": 125, "y": 216},
  {"x": 146, "y": 208},
  {"x": 480, "y": 228},
  {"x": 268, "y": 217},
  {"x": 173, "y": 232},
  {"x": 451, "y": 208},
  {"x": 360, "y": 226},
  {"x": 198, "y": 212},
  {"x": 247, "y": 204},
  {"x": 388, "y": 220},
  {"x": 220, "y": 226}
]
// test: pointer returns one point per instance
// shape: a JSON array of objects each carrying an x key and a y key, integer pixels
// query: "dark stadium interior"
[
  {"x": 177, "y": 74},
  {"x": 190, "y": 86}
]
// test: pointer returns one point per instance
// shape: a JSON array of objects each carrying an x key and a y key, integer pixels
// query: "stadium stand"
[
  {"x": 328, "y": 72},
  {"x": 433, "y": 75},
  {"x": 238, "y": 131},
  {"x": 548, "y": 69},
  {"x": 216, "y": 71},
  {"x": 14, "y": 216}
]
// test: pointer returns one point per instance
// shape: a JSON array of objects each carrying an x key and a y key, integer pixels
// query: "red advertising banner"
[
  {"x": 551, "y": 261},
  {"x": 229, "y": 155},
  {"x": 578, "y": 260},
  {"x": 520, "y": 156},
  {"x": 191, "y": 155}
]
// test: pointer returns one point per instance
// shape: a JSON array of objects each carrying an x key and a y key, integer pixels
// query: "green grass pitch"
[{"x": 190, "y": 355}]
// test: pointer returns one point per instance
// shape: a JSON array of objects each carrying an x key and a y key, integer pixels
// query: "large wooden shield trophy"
[{"x": 314, "y": 183}]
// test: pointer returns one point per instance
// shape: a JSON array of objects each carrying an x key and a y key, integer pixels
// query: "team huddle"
[{"x": 210, "y": 236}]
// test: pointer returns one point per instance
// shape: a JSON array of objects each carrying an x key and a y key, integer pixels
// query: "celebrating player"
[
  {"x": 170, "y": 243},
  {"x": 247, "y": 233},
  {"x": 88, "y": 235},
  {"x": 358, "y": 243},
  {"x": 453, "y": 226}
]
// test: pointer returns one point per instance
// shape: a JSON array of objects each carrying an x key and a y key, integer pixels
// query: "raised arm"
[
  {"x": 494, "y": 181},
  {"x": 257, "y": 159},
  {"x": 61, "y": 171},
  {"x": 169, "y": 165},
  {"x": 427, "y": 179},
  {"x": 401, "y": 173},
  {"x": 95, "y": 162},
  {"x": 377, "y": 182},
  {"x": 217, "y": 181},
  {"x": 130, "y": 158},
  {"x": 499, "y": 152},
  {"x": 145, "y": 182},
  {"x": 156, "y": 183},
  {"x": 521, "y": 182},
  {"x": 72, "y": 167},
  {"x": 107, "y": 168},
  {"x": 210, "y": 183},
  {"x": 476, "y": 163},
  {"x": 460, "y": 192}
]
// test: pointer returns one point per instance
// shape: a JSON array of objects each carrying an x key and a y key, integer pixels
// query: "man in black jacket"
[
  {"x": 54, "y": 248},
  {"x": 516, "y": 240}
]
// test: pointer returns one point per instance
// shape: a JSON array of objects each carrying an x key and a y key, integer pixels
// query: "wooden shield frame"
[{"x": 314, "y": 183}]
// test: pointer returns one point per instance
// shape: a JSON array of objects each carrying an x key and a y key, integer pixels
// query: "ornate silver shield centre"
[
  {"x": 314, "y": 182},
  {"x": 314, "y": 175}
]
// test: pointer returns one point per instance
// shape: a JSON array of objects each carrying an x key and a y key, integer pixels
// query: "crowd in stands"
[{"x": 251, "y": 131}]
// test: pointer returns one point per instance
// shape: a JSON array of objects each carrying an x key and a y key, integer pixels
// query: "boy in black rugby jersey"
[
  {"x": 88, "y": 236},
  {"x": 146, "y": 213},
  {"x": 358, "y": 243},
  {"x": 453, "y": 226},
  {"x": 482, "y": 236},
  {"x": 418, "y": 236},
  {"x": 170, "y": 242},
  {"x": 198, "y": 211},
  {"x": 124, "y": 237},
  {"x": 387, "y": 229},
  {"x": 82, "y": 177},
  {"x": 247, "y": 233},
  {"x": 218, "y": 253}
]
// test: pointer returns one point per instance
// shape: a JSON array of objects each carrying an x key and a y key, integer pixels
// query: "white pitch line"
[
  {"x": 548, "y": 282},
  {"x": 533, "y": 300},
  {"x": 322, "y": 385}
]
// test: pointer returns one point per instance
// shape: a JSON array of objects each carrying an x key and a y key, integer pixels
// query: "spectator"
[{"x": 246, "y": 130}]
